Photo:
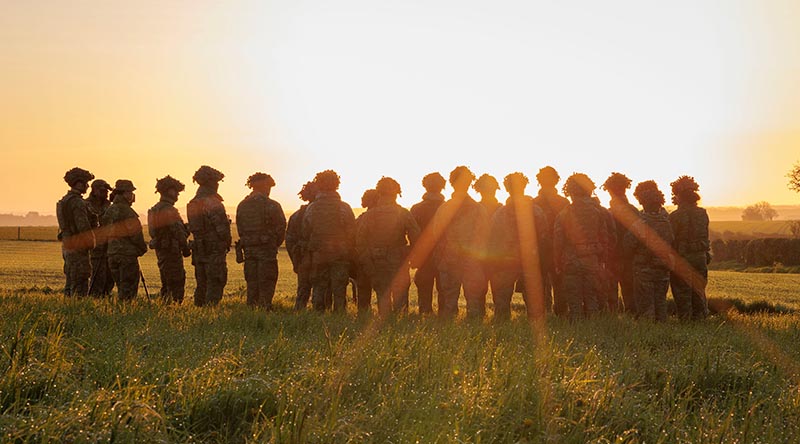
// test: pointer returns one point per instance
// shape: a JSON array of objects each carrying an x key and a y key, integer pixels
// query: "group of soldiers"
[{"x": 568, "y": 255}]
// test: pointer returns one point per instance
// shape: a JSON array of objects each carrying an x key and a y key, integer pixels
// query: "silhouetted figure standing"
[
  {"x": 297, "y": 248},
  {"x": 552, "y": 204},
  {"x": 462, "y": 227},
  {"x": 329, "y": 230},
  {"x": 168, "y": 237},
  {"x": 427, "y": 273},
  {"x": 211, "y": 232},
  {"x": 690, "y": 227},
  {"x": 519, "y": 243},
  {"x": 621, "y": 264},
  {"x": 262, "y": 227},
  {"x": 382, "y": 244},
  {"x": 101, "y": 283},
  {"x": 75, "y": 233},
  {"x": 580, "y": 243},
  {"x": 363, "y": 278},
  {"x": 125, "y": 240},
  {"x": 650, "y": 241}
]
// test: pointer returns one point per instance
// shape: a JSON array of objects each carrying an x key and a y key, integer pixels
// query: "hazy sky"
[{"x": 653, "y": 89}]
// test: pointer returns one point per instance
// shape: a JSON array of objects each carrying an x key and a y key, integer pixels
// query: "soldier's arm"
[
  {"x": 349, "y": 219},
  {"x": 558, "y": 242},
  {"x": 222, "y": 225},
  {"x": 178, "y": 229},
  {"x": 280, "y": 223},
  {"x": 133, "y": 229},
  {"x": 80, "y": 214}
]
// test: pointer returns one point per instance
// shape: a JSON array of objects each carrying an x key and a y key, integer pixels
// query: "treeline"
[{"x": 757, "y": 252}]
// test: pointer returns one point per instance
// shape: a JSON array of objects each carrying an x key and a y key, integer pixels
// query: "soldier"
[
  {"x": 75, "y": 233},
  {"x": 690, "y": 228},
  {"x": 168, "y": 236},
  {"x": 518, "y": 245},
  {"x": 649, "y": 242},
  {"x": 621, "y": 264},
  {"x": 262, "y": 227},
  {"x": 552, "y": 204},
  {"x": 580, "y": 243},
  {"x": 364, "y": 285},
  {"x": 328, "y": 231},
  {"x": 609, "y": 300},
  {"x": 461, "y": 225},
  {"x": 423, "y": 212},
  {"x": 125, "y": 240},
  {"x": 101, "y": 282},
  {"x": 382, "y": 245},
  {"x": 211, "y": 230},
  {"x": 301, "y": 260}
]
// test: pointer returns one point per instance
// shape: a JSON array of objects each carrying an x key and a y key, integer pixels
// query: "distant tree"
[
  {"x": 794, "y": 178},
  {"x": 759, "y": 211}
]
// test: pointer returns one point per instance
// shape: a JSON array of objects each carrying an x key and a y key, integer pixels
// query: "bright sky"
[{"x": 142, "y": 89}]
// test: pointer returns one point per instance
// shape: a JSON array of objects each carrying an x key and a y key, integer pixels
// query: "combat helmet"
[
  {"x": 101, "y": 184},
  {"x": 260, "y": 177},
  {"x": 76, "y": 175},
  {"x": 206, "y": 175},
  {"x": 648, "y": 194},
  {"x": 577, "y": 185},
  {"x": 486, "y": 183},
  {"x": 169, "y": 183},
  {"x": 617, "y": 183},
  {"x": 684, "y": 190},
  {"x": 123, "y": 185},
  {"x": 387, "y": 186}
]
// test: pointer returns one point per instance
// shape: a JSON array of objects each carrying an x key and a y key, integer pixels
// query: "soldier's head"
[
  {"x": 205, "y": 176},
  {"x": 308, "y": 192},
  {"x": 433, "y": 182},
  {"x": 461, "y": 178},
  {"x": 515, "y": 184},
  {"x": 388, "y": 189},
  {"x": 125, "y": 188},
  {"x": 617, "y": 184},
  {"x": 486, "y": 185},
  {"x": 100, "y": 189},
  {"x": 327, "y": 181},
  {"x": 370, "y": 198},
  {"x": 260, "y": 182},
  {"x": 548, "y": 177},
  {"x": 577, "y": 186},
  {"x": 684, "y": 191},
  {"x": 648, "y": 195},
  {"x": 169, "y": 187},
  {"x": 78, "y": 179}
]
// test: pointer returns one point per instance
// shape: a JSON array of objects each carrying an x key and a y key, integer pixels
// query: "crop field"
[{"x": 93, "y": 370}]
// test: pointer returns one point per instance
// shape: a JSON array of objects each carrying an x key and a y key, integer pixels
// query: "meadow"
[{"x": 88, "y": 370}]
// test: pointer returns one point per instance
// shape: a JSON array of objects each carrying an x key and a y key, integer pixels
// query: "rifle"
[{"x": 144, "y": 284}]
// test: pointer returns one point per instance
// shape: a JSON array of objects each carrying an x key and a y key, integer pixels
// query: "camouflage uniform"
[
  {"x": 620, "y": 263},
  {"x": 262, "y": 227},
  {"x": 609, "y": 300},
  {"x": 580, "y": 243},
  {"x": 382, "y": 250},
  {"x": 690, "y": 227},
  {"x": 169, "y": 239},
  {"x": 464, "y": 227},
  {"x": 211, "y": 232},
  {"x": 301, "y": 261},
  {"x": 125, "y": 244},
  {"x": 77, "y": 239},
  {"x": 427, "y": 273},
  {"x": 364, "y": 285},
  {"x": 552, "y": 204},
  {"x": 651, "y": 273},
  {"x": 505, "y": 264},
  {"x": 328, "y": 231},
  {"x": 101, "y": 282}
]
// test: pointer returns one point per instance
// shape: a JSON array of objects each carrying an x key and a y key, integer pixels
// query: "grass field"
[{"x": 97, "y": 371}]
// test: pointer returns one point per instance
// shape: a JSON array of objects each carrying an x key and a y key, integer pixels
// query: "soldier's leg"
[
  {"x": 401, "y": 282},
  {"x": 97, "y": 282},
  {"x": 381, "y": 280},
  {"x": 83, "y": 271},
  {"x": 107, "y": 279},
  {"x": 364, "y": 284},
  {"x": 128, "y": 284},
  {"x": 217, "y": 274},
  {"x": 474, "y": 281},
  {"x": 682, "y": 294},
  {"x": 321, "y": 281},
  {"x": 424, "y": 279},
  {"x": 502, "y": 283},
  {"x": 251, "y": 280},
  {"x": 340, "y": 277},
  {"x": 267, "y": 280},
  {"x": 114, "y": 269},
  {"x": 700, "y": 280},
  {"x": 201, "y": 276},
  {"x": 163, "y": 274},
  {"x": 176, "y": 278},
  {"x": 660, "y": 287},
  {"x": 572, "y": 287},
  {"x": 627, "y": 288},
  {"x": 645, "y": 292},
  {"x": 594, "y": 286},
  {"x": 561, "y": 297},
  {"x": 448, "y": 296},
  {"x": 303, "y": 283}
]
